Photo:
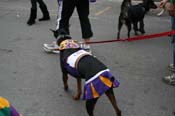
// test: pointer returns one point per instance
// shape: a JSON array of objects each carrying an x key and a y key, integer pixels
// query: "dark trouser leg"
[
  {"x": 83, "y": 13},
  {"x": 44, "y": 10},
  {"x": 65, "y": 13},
  {"x": 173, "y": 38},
  {"x": 90, "y": 105},
  {"x": 33, "y": 13}
]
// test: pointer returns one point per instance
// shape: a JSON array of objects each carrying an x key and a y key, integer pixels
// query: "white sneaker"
[
  {"x": 51, "y": 46},
  {"x": 86, "y": 47},
  {"x": 161, "y": 12},
  {"x": 51, "y": 50},
  {"x": 170, "y": 79},
  {"x": 171, "y": 67},
  {"x": 56, "y": 51}
]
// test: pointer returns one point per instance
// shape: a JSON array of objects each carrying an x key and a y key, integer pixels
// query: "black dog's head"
[
  {"x": 149, "y": 4},
  {"x": 124, "y": 8},
  {"x": 60, "y": 35}
]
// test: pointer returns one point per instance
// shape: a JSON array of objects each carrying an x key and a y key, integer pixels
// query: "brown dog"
[{"x": 83, "y": 65}]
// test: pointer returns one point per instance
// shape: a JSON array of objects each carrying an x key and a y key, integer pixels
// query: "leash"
[{"x": 143, "y": 37}]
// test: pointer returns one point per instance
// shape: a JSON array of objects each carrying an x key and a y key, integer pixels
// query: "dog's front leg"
[
  {"x": 128, "y": 24},
  {"x": 65, "y": 79},
  {"x": 78, "y": 94},
  {"x": 135, "y": 28},
  {"x": 141, "y": 29},
  {"x": 119, "y": 27}
]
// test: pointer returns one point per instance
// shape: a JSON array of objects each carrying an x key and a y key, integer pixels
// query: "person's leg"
[
  {"x": 173, "y": 39},
  {"x": 172, "y": 65},
  {"x": 65, "y": 11},
  {"x": 83, "y": 13},
  {"x": 44, "y": 10},
  {"x": 171, "y": 79},
  {"x": 33, "y": 13}
]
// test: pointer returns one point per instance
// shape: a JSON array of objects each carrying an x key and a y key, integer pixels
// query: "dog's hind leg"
[
  {"x": 110, "y": 95},
  {"x": 141, "y": 29},
  {"x": 90, "y": 105},
  {"x": 65, "y": 79},
  {"x": 128, "y": 25},
  {"x": 78, "y": 94}
]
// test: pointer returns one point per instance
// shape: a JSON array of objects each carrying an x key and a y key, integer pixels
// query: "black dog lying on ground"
[
  {"x": 134, "y": 14},
  {"x": 82, "y": 65}
]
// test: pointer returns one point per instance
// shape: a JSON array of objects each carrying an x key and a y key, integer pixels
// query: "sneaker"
[
  {"x": 56, "y": 51},
  {"x": 161, "y": 12},
  {"x": 51, "y": 50},
  {"x": 170, "y": 79},
  {"x": 171, "y": 67},
  {"x": 51, "y": 46},
  {"x": 86, "y": 46}
]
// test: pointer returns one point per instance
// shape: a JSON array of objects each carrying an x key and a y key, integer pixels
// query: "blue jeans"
[{"x": 173, "y": 38}]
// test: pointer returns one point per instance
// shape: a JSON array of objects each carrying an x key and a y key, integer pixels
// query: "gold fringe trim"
[
  {"x": 94, "y": 92},
  {"x": 106, "y": 81}
]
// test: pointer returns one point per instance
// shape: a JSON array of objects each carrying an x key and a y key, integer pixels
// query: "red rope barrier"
[{"x": 151, "y": 36}]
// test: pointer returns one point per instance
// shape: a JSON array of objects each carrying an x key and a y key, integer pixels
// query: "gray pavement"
[{"x": 31, "y": 78}]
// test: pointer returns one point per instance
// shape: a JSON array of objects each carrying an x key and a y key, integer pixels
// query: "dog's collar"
[{"x": 68, "y": 44}]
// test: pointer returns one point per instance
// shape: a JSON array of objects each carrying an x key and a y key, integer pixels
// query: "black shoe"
[
  {"x": 45, "y": 12},
  {"x": 44, "y": 19},
  {"x": 32, "y": 17},
  {"x": 30, "y": 22}
]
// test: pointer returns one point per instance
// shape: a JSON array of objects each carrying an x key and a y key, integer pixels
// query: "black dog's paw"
[{"x": 142, "y": 31}]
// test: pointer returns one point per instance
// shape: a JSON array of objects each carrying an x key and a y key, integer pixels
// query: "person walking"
[
  {"x": 171, "y": 11},
  {"x": 33, "y": 12},
  {"x": 65, "y": 11}
]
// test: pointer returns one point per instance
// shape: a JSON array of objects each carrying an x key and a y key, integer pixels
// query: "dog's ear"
[
  {"x": 62, "y": 35},
  {"x": 55, "y": 33},
  {"x": 52, "y": 30}
]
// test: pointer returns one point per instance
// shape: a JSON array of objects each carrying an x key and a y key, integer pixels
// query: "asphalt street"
[{"x": 31, "y": 79}]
